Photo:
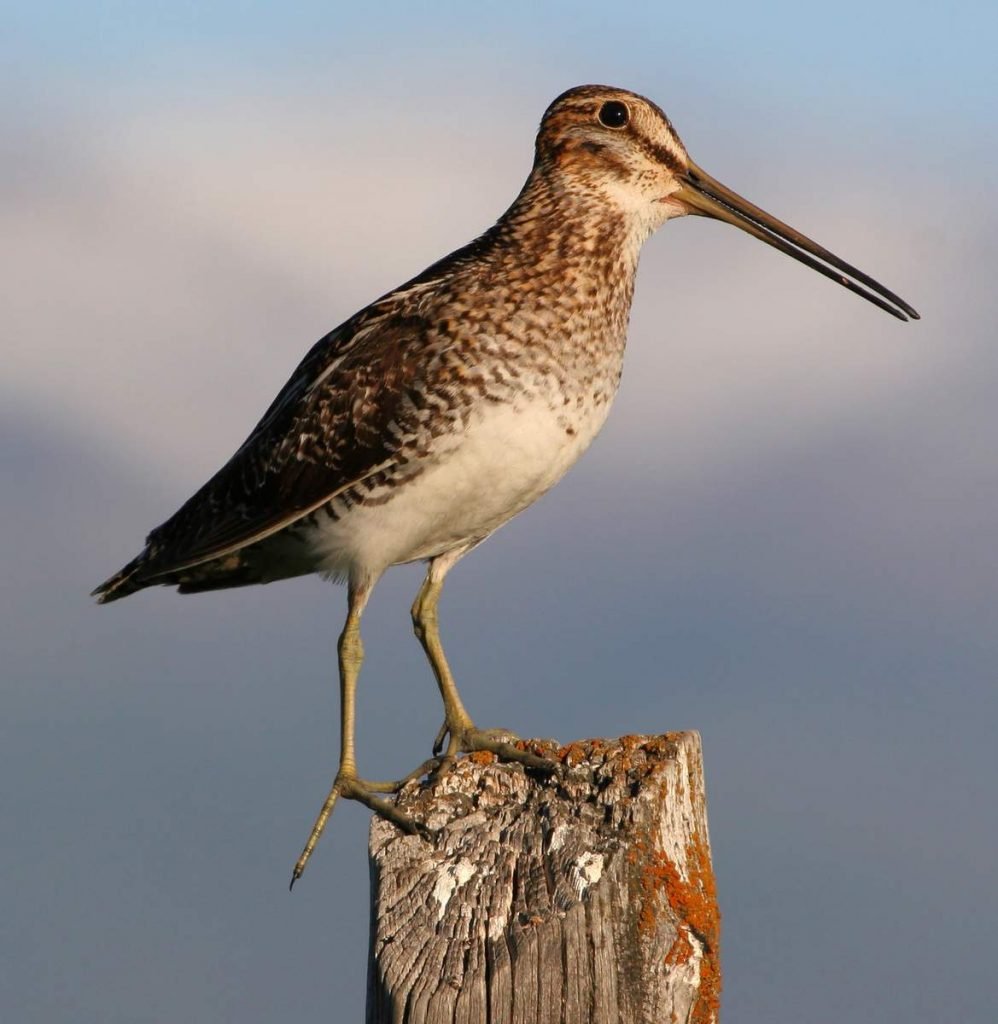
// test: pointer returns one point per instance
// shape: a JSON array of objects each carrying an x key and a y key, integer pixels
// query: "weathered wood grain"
[{"x": 582, "y": 898}]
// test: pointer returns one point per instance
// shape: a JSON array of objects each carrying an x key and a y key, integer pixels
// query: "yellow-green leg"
[
  {"x": 426, "y": 625},
  {"x": 458, "y": 729},
  {"x": 347, "y": 784}
]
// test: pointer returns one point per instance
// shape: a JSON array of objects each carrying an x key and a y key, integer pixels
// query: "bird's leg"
[
  {"x": 347, "y": 784},
  {"x": 458, "y": 729},
  {"x": 426, "y": 625}
]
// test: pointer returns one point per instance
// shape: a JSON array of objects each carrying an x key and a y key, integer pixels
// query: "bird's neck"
[
  {"x": 560, "y": 260},
  {"x": 572, "y": 229},
  {"x": 569, "y": 251}
]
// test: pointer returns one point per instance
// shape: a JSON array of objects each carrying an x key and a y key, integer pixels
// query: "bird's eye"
[{"x": 614, "y": 114}]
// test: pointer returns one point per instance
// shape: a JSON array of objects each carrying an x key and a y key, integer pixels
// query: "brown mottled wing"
[{"x": 344, "y": 415}]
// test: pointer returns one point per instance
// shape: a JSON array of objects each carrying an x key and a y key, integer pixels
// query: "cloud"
[
  {"x": 784, "y": 537},
  {"x": 167, "y": 272}
]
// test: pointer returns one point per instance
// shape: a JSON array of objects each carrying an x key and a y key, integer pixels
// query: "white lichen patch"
[
  {"x": 691, "y": 969},
  {"x": 463, "y": 871},
  {"x": 448, "y": 882},
  {"x": 685, "y": 978},
  {"x": 500, "y": 911},
  {"x": 586, "y": 871},
  {"x": 557, "y": 838},
  {"x": 442, "y": 892}
]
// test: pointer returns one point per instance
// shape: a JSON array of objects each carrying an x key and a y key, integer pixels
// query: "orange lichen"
[
  {"x": 694, "y": 903},
  {"x": 572, "y": 755},
  {"x": 661, "y": 747},
  {"x": 482, "y": 757},
  {"x": 541, "y": 748},
  {"x": 681, "y": 950},
  {"x": 658, "y": 874},
  {"x": 709, "y": 996}
]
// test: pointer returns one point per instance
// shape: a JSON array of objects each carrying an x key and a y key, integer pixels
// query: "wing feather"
[{"x": 345, "y": 414}]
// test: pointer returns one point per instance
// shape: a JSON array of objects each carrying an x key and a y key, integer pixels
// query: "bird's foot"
[
  {"x": 467, "y": 739},
  {"x": 350, "y": 787}
]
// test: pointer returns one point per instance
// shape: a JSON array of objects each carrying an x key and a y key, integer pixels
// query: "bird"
[{"x": 433, "y": 416}]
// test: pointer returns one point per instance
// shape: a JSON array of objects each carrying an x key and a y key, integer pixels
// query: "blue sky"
[{"x": 784, "y": 538}]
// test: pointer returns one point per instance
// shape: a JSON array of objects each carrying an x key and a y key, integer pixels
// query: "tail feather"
[
  {"x": 238, "y": 569},
  {"x": 121, "y": 584}
]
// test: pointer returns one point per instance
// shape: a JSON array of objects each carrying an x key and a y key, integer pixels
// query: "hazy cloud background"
[{"x": 784, "y": 538}]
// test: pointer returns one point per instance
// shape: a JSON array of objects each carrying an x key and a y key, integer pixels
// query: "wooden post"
[{"x": 582, "y": 898}]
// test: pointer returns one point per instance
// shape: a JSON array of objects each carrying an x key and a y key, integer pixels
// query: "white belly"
[{"x": 506, "y": 459}]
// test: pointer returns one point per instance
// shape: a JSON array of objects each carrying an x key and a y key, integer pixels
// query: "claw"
[
  {"x": 497, "y": 741},
  {"x": 349, "y": 787},
  {"x": 438, "y": 744}
]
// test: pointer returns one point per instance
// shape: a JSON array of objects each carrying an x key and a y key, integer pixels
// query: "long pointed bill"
[{"x": 701, "y": 194}]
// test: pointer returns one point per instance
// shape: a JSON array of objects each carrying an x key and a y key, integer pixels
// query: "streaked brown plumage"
[{"x": 428, "y": 419}]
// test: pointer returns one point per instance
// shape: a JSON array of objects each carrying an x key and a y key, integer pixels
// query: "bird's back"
[{"x": 503, "y": 333}]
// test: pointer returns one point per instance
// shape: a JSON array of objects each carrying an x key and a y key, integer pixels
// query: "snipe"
[{"x": 432, "y": 417}]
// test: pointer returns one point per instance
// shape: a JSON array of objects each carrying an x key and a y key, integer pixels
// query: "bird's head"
[{"x": 617, "y": 148}]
